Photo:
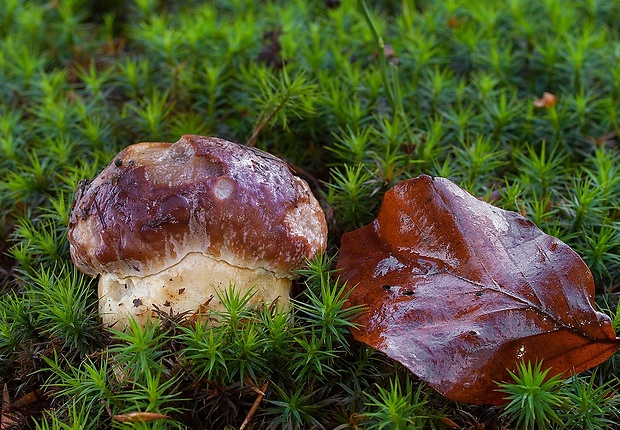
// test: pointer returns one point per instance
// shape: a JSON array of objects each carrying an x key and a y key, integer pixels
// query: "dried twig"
[{"x": 255, "y": 405}]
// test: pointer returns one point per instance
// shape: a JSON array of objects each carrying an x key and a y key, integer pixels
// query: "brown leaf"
[
  {"x": 548, "y": 100},
  {"x": 459, "y": 291},
  {"x": 15, "y": 414},
  {"x": 136, "y": 417},
  {"x": 27, "y": 400},
  {"x": 7, "y": 421},
  {"x": 6, "y": 397}
]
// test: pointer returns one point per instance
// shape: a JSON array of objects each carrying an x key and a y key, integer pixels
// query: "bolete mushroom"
[{"x": 170, "y": 224}]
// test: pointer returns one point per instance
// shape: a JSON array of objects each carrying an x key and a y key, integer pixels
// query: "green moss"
[{"x": 356, "y": 99}]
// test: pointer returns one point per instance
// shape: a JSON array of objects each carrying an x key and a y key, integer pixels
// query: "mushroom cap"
[{"x": 156, "y": 202}]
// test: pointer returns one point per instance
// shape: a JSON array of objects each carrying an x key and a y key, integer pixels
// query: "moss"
[{"x": 356, "y": 100}]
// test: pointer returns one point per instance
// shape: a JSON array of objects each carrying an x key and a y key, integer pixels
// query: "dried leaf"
[
  {"x": 460, "y": 291},
  {"x": 137, "y": 417},
  {"x": 7, "y": 421},
  {"x": 27, "y": 400},
  {"x": 15, "y": 414},
  {"x": 6, "y": 397},
  {"x": 548, "y": 100}
]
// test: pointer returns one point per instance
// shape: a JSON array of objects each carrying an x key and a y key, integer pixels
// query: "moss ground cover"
[{"x": 356, "y": 97}]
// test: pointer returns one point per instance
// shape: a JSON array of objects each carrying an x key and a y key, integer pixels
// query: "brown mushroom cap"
[{"x": 157, "y": 202}]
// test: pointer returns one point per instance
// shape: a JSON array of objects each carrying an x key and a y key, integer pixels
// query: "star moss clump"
[{"x": 355, "y": 97}]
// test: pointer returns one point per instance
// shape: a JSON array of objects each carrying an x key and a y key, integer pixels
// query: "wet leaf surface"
[{"x": 460, "y": 291}]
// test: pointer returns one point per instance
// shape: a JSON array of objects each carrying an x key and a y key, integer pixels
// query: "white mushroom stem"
[{"x": 192, "y": 282}]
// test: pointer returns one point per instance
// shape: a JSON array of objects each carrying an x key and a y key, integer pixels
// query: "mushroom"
[{"x": 168, "y": 225}]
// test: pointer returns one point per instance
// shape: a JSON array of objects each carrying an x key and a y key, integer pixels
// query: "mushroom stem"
[{"x": 194, "y": 280}]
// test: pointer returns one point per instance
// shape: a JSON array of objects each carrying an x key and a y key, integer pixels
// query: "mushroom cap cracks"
[{"x": 157, "y": 202}]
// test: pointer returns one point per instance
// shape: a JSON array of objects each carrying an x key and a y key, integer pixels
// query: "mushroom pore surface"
[{"x": 189, "y": 217}]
